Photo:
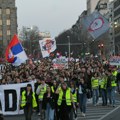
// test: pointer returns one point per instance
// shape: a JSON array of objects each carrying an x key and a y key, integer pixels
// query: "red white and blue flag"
[{"x": 15, "y": 53}]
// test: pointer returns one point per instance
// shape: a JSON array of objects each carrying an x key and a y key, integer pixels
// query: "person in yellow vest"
[
  {"x": 74, "y": 91},
  {"x": 111, "y": 87},
  {"x": 64, "y": 102},
  {"x": 95, "y": 88},
  {"x": 114, "y": 72},
  {"x": 28, "y": 102},
  {"x": 41, "y": 90},
  {"x": 103, "y": 85}
]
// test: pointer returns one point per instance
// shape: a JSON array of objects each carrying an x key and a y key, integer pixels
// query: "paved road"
[{"x": 93, "y": 113}]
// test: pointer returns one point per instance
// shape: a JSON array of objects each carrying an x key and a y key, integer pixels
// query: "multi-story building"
[
  {"x": 110, "y": 17},
  {"x": 116, "y": 12},
  {"x": 8, "y": 22},
  {"x": 91, "y": 5},
  {"x": 100, "y": 5},
  {"x": 105, "y": 8}
]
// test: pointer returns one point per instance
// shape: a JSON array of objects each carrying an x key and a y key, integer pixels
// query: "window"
[
  {"x": 0, "y": 33},
  {"x": 117, "y": 12},
  {"x": 7, "y": 11},
  {"x": 116, "y": 3},
  {"x": 0, "y": 22},
  {"x": 8, "y": 32},
  {"x": 8, "y": 22}
]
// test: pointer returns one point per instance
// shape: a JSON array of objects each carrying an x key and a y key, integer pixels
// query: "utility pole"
[{"x": 69, "y": 45}]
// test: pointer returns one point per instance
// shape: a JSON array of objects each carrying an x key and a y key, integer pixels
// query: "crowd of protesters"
[{"x": 60, "y": 92}]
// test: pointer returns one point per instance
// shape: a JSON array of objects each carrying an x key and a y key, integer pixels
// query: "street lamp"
[
  {"x": 68, "y": 45},
  {"x": 30, "y": 47},
  {"x": 101, "y": 50}
]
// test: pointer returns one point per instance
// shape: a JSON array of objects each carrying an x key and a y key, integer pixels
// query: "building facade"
[
  {"x": 8, "y": 22},
  {"x": 104, "y": 45},
  {"x": 116, "y": 12},
  {"x": 91, "y": 5}
]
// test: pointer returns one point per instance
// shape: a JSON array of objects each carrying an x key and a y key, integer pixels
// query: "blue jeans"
[
  {"x": 111, "y": 95},
  {"x": 104, "y": 96},
  {"x": 83, "y": 102},
  {"x": 49, "y": 112},
  {"x": 95, "y": 93}
]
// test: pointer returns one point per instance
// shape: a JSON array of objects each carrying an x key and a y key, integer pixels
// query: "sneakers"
[
  {"x": 75, "y": 119},
  {"x": 83, "y": 114},
  {"x": 39, "y": 114}
]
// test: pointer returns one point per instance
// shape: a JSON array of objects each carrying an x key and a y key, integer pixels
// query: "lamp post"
[
  {"x": 28, "y": 37},
  {"x": 69, "y": 46},
  {"x": 101, "y": 51}
]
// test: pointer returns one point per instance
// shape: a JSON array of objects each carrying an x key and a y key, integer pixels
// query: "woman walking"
[
  {"x": 28, "y": 102},
  {"x": 82, "y": 90},
  {"x": 49, "y": 104},
  {"x": 64, "y": 102}
]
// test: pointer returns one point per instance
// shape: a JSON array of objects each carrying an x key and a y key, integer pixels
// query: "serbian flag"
[{"x": 15, "y": 53}]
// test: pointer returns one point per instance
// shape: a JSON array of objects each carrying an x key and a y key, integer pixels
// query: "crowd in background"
[{"x": 88, "y": 78}]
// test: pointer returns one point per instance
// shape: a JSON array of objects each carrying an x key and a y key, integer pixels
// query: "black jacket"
[
  {"x": 84, "y": 88},
  {"x": 50, "y": 100}
]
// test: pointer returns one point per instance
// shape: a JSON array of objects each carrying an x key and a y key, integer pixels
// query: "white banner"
[
  {"x": 10, "y": 97},
  {"x": 60, "y": 63},
  {"x": 114, "y": 60},
  {"x": 47, "y": 46}
]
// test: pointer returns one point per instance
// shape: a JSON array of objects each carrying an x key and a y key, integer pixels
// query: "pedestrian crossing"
[
  {"x": 92, "y": 113},
  {"x": 96, "y": 112}
]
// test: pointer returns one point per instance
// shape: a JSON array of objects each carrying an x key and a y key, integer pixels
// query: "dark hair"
[
  {"x": 64, "y": 84},
  {"x": 62, "y": 76},
  {"x": 41, "y": 78},
  {"x": 29, "y": 85}
]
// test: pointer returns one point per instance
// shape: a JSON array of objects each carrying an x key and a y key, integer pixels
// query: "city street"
[
  {"x": 57, "y": 55},
  {"x": 93, "y": 113}
]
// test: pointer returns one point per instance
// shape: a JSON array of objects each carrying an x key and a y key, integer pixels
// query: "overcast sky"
[{"x": 49, "y": 15}]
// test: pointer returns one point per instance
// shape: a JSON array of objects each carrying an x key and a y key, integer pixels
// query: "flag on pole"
[
  {"x": 96, "y": 24},
  {"x": 15, "y": 53},
  {"x": 47, "y": 46}
]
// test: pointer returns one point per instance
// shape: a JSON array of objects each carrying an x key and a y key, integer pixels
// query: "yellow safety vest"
[
  {"x": 23, "y": 100},
  {"x": 52, "y": 88},
  {"x": 95, "y": 83},
  {"x": 67, "y": 97},
  {"x": 74, "y": 96},
  {"x": 113, "y": 82},
  {"x": 42, "y": 92},
  {"x": 103, "y": 83},
  {"x": 114, "y": 73}
]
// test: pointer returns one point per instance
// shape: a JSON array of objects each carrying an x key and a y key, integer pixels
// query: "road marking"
[{"x": 109, "y": 113}]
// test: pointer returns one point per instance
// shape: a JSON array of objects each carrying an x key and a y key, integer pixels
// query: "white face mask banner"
[{"x": 10, "y": 97}]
